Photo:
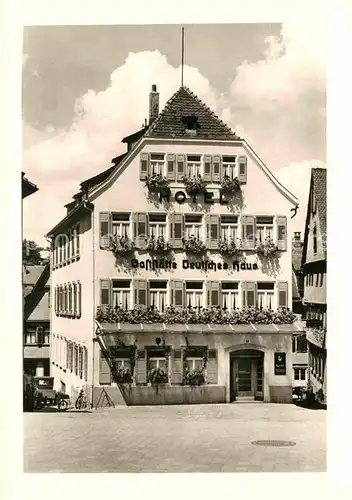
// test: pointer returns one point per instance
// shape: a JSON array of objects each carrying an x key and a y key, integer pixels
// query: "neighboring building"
[
  {"x": 314, "y": 268},
  {"x": 36, "y": 321},
  {"x": 159, "y": 310},
  {"x": 299, "y": 340},
  {"x": 28, "y": 187}
]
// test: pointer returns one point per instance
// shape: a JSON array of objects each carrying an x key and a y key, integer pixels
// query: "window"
[
  {"x": 193, "y": 165},
  {"x": 121, "y": 294},
  {"x": 194, "y": 364},
  {"x": 70, "y": 311},
  {"x": 194, "y": 294},
  {"x": 31, "y": 337},
  {"x": 80, "y": 362},
  {"x": 229, "y": 295},
  {"x": 157, "y": 225},
  {"x": 265, "y": 228},
  {"x": 300, "y": 373},
  {"x": 69, "y": 243},
  {"x": 299, "y": 343},
  {"x": 229, "y": 228},
  {"x": 265, "y": 291},
  {"x": 229, "y": 166},
  {"x": 76, "y": 359},
  {"x": 317, "y": 279},
  {"x": 69, "y": 356},
  {"x": 321, "y": 279},
  {"x": 157, "y": 363},
  {"x": 120, "y": 224},
  {"x": 315, "y": 242},
  {"x": 123, "y": 364},
  {"x": 77, "y": 239},
  {"x": 74, "y": 293},
  {"x": 47, "y": 336},
  {"x": 157, "y": 291},
  {"x": 193, "y": 226},
  {"x": 157, "y": 162}
]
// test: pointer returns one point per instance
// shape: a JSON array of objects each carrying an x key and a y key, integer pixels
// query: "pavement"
[{"x": 188, "y": 438}]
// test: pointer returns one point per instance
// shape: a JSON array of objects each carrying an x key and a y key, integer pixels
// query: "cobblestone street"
[{"x": 211, "y": 438}]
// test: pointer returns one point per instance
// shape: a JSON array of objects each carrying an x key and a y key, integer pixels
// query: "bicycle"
[{"x": 81, "y": 401}]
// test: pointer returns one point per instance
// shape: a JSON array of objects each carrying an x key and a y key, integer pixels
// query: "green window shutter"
[
  {"x": 171, "y": 167},
  {"x": 214, "y": 293},
  {"x": 207, "y": 168},
  {"x": 281, "y": 223},
  {"x": 141, "y": 293},
  {"x": 242, "y": 169},
  {"x": 141, "y": 367},
  {"x": 212, "y": 367},
  {"x": 144, "y": 166},
  {"x": 140, "y": 223},
  {"x": 213, "y": 231},
  {"x": 105, "y": 229},
  {"x": 176, "y": 367},
  {"x": 216, "y": 168},
  {"x": 177, "y": 288},
  {"x": 180, "y": 168},
  {"x": 105, "y": 294},
  {"x": 248, "y": 232},
  {"x": 177, "y": 230},
  {"x": 283, "y": 294},
  {"x": 104, "y": 372}
]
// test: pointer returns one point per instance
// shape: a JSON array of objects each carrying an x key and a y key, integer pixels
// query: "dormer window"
[{"x": 191, "y": 124}]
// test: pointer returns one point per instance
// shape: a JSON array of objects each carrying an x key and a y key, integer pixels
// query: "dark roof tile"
[
  {"x": 184, "y": 103},
  {"x": 319, "y": 187}
]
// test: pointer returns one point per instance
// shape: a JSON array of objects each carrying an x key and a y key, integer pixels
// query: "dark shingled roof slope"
[
  {"x": 184, "y": 103},
  {"x": 319, "y": 187},
  {"x": 97, "y": 179}
]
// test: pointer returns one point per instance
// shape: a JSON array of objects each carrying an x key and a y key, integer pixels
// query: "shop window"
[
  {"x": 265, "y": 295},
  {"x": 157, "y": 225},
  {"x": 229, "y": 295},
  {"x": 157, "y": 164},
  {"x": 193, "y": 226},
  {"x": 229, "y": 227},
  {"x": 157, "y": 294},
  {"x": 120, "y": 224},
  {"x": 121, "y": 294},
  {"x": 194, "y": 294}
]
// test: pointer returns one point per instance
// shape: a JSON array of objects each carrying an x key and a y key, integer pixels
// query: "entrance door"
[{"x": 244, "y": 377}]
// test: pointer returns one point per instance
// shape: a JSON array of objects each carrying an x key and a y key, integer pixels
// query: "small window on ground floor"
[{"x": 300, "y": 373}]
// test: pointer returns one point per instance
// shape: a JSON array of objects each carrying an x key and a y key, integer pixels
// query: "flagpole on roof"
[{"x": 182, "y": 52}]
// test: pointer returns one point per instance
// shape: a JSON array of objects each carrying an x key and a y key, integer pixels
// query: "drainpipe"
[{"x": 93, "y": 283}]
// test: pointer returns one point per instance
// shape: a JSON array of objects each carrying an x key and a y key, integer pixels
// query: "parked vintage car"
[{"x": 46, "y": 396}]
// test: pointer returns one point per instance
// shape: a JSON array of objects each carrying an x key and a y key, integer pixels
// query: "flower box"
[
  {"x": 194, "y": 377},
  {"x": 230, "y": 185},
  {"x": 122, "y": 376},
  {"x": 157, "y": 183},
  {"x": 195, "y": 246},
  {"x": 266, "y": 248},
  {"x": 158, "y": 376},
  {"x": 229, "y": 247},
  {"x": 195, "y": 185},
  {"x": 158, "y": 245},
  {"x": 121, "y": 245}
]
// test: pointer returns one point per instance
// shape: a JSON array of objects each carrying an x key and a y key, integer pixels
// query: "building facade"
[
  {"x": 36, "y": 320},
  {"x": 314, "y": 268},
  {"x": 172, "y": 270}
]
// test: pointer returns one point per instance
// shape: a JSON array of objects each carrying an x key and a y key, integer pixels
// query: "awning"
[{"x": 107, "y": 329}]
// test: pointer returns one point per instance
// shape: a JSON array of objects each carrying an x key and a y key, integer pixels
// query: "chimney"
[
  {"x": 297, "y": 236},
  {"x": 153, "y": 105}
]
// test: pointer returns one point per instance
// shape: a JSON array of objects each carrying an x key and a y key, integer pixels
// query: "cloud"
[
  {"x": 296, "y": 178},
  {"x": 277, "y": 104}
]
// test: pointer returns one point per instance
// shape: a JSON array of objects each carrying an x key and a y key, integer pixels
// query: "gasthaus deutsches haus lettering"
[{"x": 171, "y": 272}]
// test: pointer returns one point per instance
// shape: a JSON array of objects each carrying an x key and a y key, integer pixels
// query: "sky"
[{"x": 86, "y": 87}]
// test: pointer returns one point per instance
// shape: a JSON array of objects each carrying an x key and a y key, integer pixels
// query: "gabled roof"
[
  {"x": 97, "y": 179},
  {"x": 28, "y": 187},
  {"x": 184, "y": 103},
  {"x": 318, "y": 189},
  {"x": 36, "y": 307},
  {"x": 31, "y": 274}
]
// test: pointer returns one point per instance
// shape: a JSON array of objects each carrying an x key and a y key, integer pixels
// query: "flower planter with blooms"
[
  {"x": 121, "y": 245},
  {"x": 173, "y": 316},
  {"x": 193, "y": 245},
  {"x": 123, "y": 376},
  {"x": 158, "y": 245},
  {"x": 230, "y": 185},
  {"x": 157, "y": 183},
  {"x": 267, "y": 248},
  {"x": 194, "y": 377},
  {"x": 195, "y": 185},
  {"x": 229, "y": 247},
  {"x": 158, "y": 376}
]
